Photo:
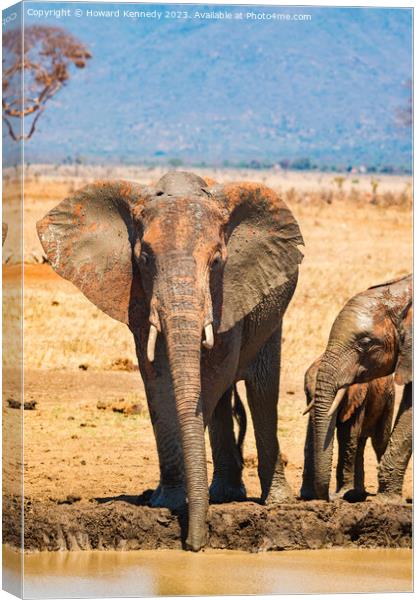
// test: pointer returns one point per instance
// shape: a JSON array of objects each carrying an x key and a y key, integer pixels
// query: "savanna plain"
[{"x": 88, "y": 435}]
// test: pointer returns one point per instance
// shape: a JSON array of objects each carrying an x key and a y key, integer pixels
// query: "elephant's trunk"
[
  {"x": 326, "y": 390},
  {"x": 182, "y": 322}
]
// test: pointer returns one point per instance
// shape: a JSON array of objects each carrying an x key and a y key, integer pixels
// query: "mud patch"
[{"x": 126, "y": 523}]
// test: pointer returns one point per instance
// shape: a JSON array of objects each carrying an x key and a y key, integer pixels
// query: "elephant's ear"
[
  {"x": 403, "y": 371},
  {"x": 355, "y": 397},
  {"x": 88, "y": 240},
  {"x": 262, "y": 248}
]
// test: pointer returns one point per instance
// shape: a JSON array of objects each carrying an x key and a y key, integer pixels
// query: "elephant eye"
[{"x": 364, "y": 343}]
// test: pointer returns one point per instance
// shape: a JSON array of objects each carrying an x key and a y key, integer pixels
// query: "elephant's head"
[
  {"x": 370, "y": 338},
  {"x": 176, "y": 262}
]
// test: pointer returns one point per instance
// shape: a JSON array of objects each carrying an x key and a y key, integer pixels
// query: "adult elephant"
[
  {"x": 176, "y": 262},
  {"x": 367, "y": 340}
]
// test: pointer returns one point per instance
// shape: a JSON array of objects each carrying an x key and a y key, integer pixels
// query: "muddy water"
[{"x": 213, "y": 572}]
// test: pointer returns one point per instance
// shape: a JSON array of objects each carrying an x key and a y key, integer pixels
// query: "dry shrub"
[
  {"x": 402, "y": 200},
  {"x": 123, "y": 364},
  {"x": 291, "y": 196},
  {"x": 326, "y": 196},
  {"x": 125, "y": 406},
  {"x": 355, "y": 196}
]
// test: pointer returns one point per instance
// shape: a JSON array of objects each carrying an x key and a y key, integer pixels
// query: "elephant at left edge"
[{"x": 202, "y": 275}]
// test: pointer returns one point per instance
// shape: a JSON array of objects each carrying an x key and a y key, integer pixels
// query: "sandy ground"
[{"x": 76, "y": 357}]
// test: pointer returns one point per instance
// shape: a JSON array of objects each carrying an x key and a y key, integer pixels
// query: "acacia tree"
[{"x": 35, "y": 68}]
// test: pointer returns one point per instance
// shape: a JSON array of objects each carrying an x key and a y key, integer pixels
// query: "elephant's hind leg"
[
  {"x": 381, "y": 434},
  {"x": 350, "y": 467},
  {"x": 227, "y": 484},
  {"x": 394, "y": 462},
  {"x": 262, "y": 385}
]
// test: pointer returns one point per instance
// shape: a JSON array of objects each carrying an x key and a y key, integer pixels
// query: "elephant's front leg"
[
  {"x": 349, "y": 470},
  {"x": 380, "y": 437},
  {"x": 394, "y": 462},
  {"x": 262, "y": 385},
  {"x": 171, "y": 491},
  {"x": 227, "y": 484},
  {"x": 307, "y": 487},
  {"x": 360, "y": 469}
]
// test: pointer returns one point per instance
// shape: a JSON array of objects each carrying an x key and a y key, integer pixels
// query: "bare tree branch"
[
  {"x": 44, "y": 64},
  {"x": 10, "y": 128}
]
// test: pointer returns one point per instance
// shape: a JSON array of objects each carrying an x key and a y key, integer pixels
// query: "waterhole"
[{"x": 213, "y": 572}]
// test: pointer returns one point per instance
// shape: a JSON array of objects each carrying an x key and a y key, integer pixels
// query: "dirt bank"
[{"x": 128, "y": 524}]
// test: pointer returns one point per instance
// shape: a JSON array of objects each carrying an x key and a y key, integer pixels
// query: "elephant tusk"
[
  {"x": 208, "y": 343},
  {"x": 151, "y": 344},
  {"x": 309, "y": 407},
  {"x": 338, "y": 399}
]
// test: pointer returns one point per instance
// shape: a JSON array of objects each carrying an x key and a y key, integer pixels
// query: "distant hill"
[{"x": 212, "y": 91}]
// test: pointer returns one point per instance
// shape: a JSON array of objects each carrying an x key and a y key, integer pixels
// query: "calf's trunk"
[{"x": 324, "y": 425}]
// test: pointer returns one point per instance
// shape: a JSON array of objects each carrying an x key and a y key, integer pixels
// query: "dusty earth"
[{"x": 89, "y": 452}]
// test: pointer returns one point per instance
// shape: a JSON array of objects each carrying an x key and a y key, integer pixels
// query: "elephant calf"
[
  {"x": 366, "y": 411},
  {"x": 370, "y": 338}
]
